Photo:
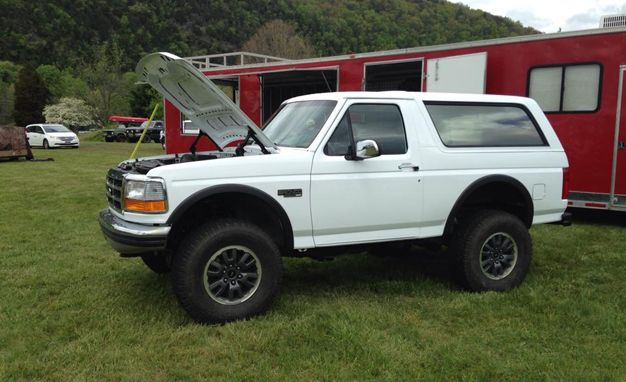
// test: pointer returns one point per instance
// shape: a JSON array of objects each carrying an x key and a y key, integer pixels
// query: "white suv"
[{"x": 330, "y": 173}]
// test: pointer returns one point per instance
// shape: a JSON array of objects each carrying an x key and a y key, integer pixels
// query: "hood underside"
[{"x": 198, "y": 98}]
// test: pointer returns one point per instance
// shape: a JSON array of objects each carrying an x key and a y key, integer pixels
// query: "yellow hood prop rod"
[{"x": 145, "y": 129}]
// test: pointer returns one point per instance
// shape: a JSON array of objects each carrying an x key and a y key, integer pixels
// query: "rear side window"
[{"x": 484, "y": 125}]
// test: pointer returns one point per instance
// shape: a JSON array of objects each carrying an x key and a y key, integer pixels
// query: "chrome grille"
[{"x": 114, "y": 181}]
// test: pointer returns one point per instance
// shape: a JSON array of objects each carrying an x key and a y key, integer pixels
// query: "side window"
[
  {"x": 484, "y": 125},
  {"x": 566, "y": 88},
  {"x": 381, "y": 122}
]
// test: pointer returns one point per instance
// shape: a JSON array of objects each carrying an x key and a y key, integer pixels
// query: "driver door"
[{"x": 375, "y": 199}]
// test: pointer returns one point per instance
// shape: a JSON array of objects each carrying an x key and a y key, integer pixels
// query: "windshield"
[
  {"x": 55, "y": 129},
  {"x": 154, "y": 124},
  {"x": 297, "y": 123}
]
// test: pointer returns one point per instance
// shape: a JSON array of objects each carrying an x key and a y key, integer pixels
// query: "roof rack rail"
[{"x": 231, "y": 59}]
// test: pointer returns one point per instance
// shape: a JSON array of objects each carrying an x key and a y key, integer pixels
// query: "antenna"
[{"x": 325, "y": 80}]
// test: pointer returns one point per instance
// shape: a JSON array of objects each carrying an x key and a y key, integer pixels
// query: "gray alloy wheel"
[
  {"x": 498, "y": 256},
  {"x": 232, "y": 275}
]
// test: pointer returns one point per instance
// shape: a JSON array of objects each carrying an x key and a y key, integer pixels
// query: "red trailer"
[{"x": 576, "y": 77}]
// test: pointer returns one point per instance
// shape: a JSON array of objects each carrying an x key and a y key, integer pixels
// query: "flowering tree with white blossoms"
[{"x": 71, "y": 112}]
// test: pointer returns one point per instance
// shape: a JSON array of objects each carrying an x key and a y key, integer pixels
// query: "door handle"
[
  {"x": 621, "y": 145},
  {"x": 408, "y": 166}
]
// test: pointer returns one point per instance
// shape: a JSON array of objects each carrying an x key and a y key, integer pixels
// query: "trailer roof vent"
[{"x": 612, "y": 21}]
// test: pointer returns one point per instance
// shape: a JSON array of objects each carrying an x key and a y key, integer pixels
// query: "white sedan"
[{"x": 51, "y": 135}]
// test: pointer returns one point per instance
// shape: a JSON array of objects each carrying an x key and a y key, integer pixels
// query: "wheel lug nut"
[
  {"x": 232, "y": 282},
  {"x": 225, "y": 280},
  {"x": 239, "y": 276}
]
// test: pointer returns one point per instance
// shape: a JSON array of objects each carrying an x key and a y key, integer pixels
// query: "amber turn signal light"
[{"x": 145, "y": 205}]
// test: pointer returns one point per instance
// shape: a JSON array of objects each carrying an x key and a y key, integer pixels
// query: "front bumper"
[
  {"x": 131, "y": 238},
  {"x": 64, "y": 144}
]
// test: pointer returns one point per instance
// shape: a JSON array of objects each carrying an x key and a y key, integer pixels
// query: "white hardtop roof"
[{"x": 420, "y": 96}]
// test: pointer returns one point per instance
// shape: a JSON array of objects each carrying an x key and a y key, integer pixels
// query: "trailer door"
[
  {"x": 457, "y": 74},
  {"x": 618, "y": 182},
  {"x": 279, "y": 86}
]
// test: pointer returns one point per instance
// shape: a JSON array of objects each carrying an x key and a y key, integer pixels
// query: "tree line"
[
  {"x": 86, "y": 49},
  {"x": 81, "y": 97}
]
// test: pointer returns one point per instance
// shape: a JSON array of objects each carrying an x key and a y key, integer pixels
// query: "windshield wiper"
[{"x": 251, "y": 134}]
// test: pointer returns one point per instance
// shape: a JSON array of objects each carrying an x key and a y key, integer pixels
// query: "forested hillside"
[
  {"x": 86, "y": 49},
  {"x": 67, "y": 32}
]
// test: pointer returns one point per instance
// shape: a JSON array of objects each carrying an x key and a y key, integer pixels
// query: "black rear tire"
[
  {"x": 157, "y": 263},
  {"x": 492, "y": 251},
  {"x": 222, "y": 247}
]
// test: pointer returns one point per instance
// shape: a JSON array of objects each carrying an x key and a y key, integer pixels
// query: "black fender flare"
[
  {"x": 223, "y": 189},
  {"x": 490, "y": 179}
]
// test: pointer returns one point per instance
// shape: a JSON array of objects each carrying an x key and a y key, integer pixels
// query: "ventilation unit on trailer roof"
[{"x": 612, "y": 21}]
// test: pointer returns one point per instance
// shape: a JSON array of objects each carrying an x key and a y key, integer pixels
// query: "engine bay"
[{"x": 143, "y": 165}]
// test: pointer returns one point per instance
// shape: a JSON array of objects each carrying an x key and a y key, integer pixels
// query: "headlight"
[{"x": 145, "y": 196}]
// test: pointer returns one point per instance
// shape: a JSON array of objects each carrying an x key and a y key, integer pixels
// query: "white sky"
[{"x": 550, "y": 15}]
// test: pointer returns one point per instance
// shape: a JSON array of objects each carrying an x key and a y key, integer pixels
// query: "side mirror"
[{"x": 366, "y": 149}]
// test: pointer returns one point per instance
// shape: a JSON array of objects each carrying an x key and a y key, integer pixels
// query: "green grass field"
[{"x": 71, "y": 309}]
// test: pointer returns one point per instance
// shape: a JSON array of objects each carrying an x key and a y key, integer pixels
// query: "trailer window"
[
  {"x": 187, "y": 126},
  {"x": 484, "y": 125},
  {"x": 394, "y": 76},
  {"x": 566, "y": 88}
]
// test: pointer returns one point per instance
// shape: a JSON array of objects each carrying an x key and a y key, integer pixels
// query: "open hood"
[{"x": 198, "y": 98}]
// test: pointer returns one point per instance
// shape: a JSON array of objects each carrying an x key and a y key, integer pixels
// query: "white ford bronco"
[{"x": 329, "y": 173}]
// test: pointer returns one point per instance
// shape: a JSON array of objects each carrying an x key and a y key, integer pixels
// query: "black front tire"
[
  {"x": 492, "y": 251},
  {"x": 192, "y": 273},
  {"x": 46, "y": 145},
  {"x": 157, "y": 263}
]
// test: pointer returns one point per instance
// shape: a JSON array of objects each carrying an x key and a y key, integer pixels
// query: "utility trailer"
[
  {"x": 576, "y": 77},
  {"x": 13, "y": 143}
]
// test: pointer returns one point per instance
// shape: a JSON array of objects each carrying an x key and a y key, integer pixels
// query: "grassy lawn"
[{"x": 71, "y": 309}]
